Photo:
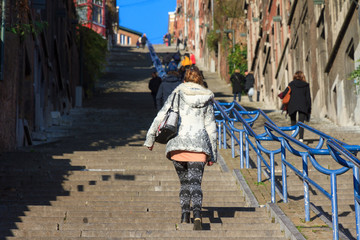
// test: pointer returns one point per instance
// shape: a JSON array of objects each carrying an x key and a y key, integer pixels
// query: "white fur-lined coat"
[{"x": 197, "y": 128}]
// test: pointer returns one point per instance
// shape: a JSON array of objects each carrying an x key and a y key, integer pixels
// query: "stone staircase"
[
  {"x": 99, "y": 182},
  {"x": 128, "y": 193}
]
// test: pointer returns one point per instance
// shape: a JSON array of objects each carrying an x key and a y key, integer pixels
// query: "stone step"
[
  {"x": 147, "y": 233},
  {"x": 132, "y": 238},
  {"x": 153, "y": 226},
  {"x": 106, "y": 177},
  {"x": 119, "y": 188},
  {"x": 75, "y": 171},
  {"x": 119, "y": 192},
  {"x": 234, "y": 212},
  {"x": 143, "y": 207},
  {"x": 258, "y": 218},
  {"x": 129, "y": 204},
  {"x": 161, "y": 197},
  {"x": 120, "y": 181}
]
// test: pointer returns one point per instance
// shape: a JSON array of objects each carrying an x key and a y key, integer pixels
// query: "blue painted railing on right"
[
  {"x": 309, "y": 154},
  {"x": 350, "y": 161},
  {"x": 228, "y": 114}
]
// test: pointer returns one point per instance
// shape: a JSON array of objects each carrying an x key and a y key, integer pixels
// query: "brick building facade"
[
  {"x": 195, "y": 19},
  {"x": 320, "y": 38},
  {"x": 40, "y": 69},
  {"x": 127, "y": 37},
  {"x": 92, "y": 14}
]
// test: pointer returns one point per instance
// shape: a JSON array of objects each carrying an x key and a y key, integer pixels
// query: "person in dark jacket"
[
  {"x": 237, "y": 82},
  {"x": 154, "y": 85},
  {"x": 168, "y": 84},
  {"x": 249, "y": 83},
  {"x": 143, "y": 40},
  {"x": 300, "y": 101}
]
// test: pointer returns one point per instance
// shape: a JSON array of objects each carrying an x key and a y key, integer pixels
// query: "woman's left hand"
[{"x": 210, "y": 163}]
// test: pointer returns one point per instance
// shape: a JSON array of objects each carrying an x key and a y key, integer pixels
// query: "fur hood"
[{"x": 194, "y": 95}]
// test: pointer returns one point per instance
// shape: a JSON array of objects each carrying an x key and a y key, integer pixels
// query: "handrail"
[
  {"x": 258, "y": 148},
  {"x": 232, "y": 114},
  {"x": 336, "y": 150},
  {"x": 309, "y": 153}
]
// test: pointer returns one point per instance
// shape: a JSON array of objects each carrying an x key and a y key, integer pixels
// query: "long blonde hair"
[{"x": 299, "y": 75}]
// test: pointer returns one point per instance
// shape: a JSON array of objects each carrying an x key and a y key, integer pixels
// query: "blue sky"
[{"x": 146, "y": 16}]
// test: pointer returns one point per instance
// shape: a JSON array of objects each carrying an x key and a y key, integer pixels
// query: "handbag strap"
[{"x": 172, "y": 102}]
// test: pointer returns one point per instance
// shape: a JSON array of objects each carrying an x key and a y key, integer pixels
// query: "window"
[
  {"x": 129, "y": 40},
  {"x": 351, "y": 50},
  {"x": 82, "y": 12},
  {"x": 97, "y": 17},
  {"x": 122, "y": 39},
  {"x": 98, "y": 2}
]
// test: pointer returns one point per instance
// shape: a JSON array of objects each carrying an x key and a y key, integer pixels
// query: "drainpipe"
[
  {"x": 2, "y": 38},
  {"x": 212, "y": 14},
  {"x": 185, "y": 15}
]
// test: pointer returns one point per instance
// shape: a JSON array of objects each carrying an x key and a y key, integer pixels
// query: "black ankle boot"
[
  {"x": 197, "y": 220},
  {"x": 185, "y": 217}
]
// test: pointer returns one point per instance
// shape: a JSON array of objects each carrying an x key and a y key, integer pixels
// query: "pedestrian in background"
[
  {"x": 154, "y": 85},
  {"x": 168, "y": 36},
  {"x": 185, "y": 43},
  {"x": 249, "y": 84},
  {"x": 177, "y": 57},
  {"x": 143, "y": 40},
  {"x": 192, "y": 58},
  {"x": 237, "y": 82},
  {"x": 168, "y": 84},
  {"x": 138, "y": 42},
  {"x": 194, "y": 145},
  {"x": 300, "y": 101},
  {"x": 186, "y": 62},
  {"x": 179, "y": 41}
]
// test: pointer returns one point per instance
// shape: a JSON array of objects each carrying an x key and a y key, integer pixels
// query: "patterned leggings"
[{"x": 190, "y": 175}]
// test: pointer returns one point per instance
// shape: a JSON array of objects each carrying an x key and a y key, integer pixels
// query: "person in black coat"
[
  {"x": 300, "y": 101},
  {"x": 154, "y": 85},
  {"x": 143, "y": 40},
  {"x": 168, "y": 84},
  {"x": 249, "y": 83},
  {"x": 237, "y": 82}
]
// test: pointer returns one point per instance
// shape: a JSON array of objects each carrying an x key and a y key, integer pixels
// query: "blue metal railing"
[
  {"x": 227, "y": 123},
  {"x": 230, "y": 114},
  {"x": 336, "y": 151},
  {"x": 309, "y": 154}
]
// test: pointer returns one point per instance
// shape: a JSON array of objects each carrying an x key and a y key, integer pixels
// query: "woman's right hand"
[{"x": 150, "y": 148}]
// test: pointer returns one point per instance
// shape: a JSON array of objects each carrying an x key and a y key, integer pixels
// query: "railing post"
[
  {"x": 284, "y": 172},
  {"x": 334, "y": 205},
  {"x": 306, "y": 187},
  {"x": 232, "y": 144},
  {"x": 224, "y": 135},
  {"x": 258, "y": 167},
  {"x": 241, "y": 135},
  {"x": 246, "y": 151},
  {"x": 219, "y": 134},
  {"x": 357, "y": 205},
  {"x": 272, "y": 177}
]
